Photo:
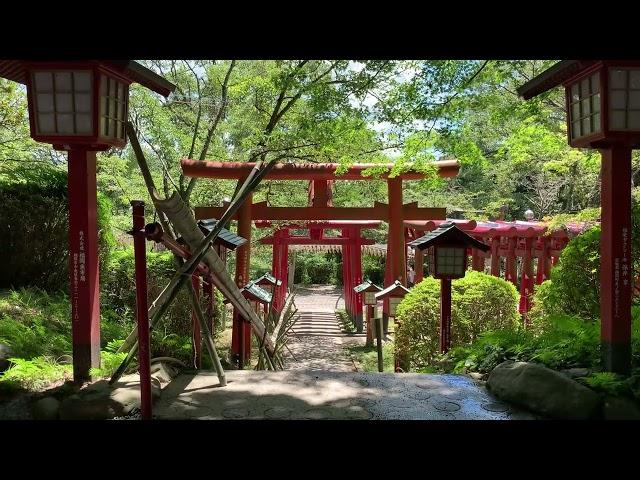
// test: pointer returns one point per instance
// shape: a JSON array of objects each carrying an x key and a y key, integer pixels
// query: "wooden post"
[
  {"x": 418, "y": 260},
  {"x": 510, "y": 272},
  {"x": 83, "y": 263},
  {"x": 544, "y": 261},
  {"x": 370, "y": 326},
  {"x": 241, "y": 334},
  {"x": 142, "y": 316},
  {"x": 495, "y": 256},
  {"x": 445, "y": 315},
  {"x": 210, "y": 300},
  {"x": 277, "y": 300},
  {"x": 196, "y": 337},
  {"x": 356, "y": 256},
  {"x": 526, "y": 281},
  {"x": 615, "y": 259},
  {"x": 379, "y": 344}
]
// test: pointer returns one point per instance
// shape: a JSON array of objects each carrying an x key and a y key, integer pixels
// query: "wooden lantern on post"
[
  {"x": 394, "y": 293},
  {"x": 268, "y": 282},
  {"x": 368, "y": 291},
  {"x": 603, "y": 112},
  {"x": 81, "y": 107},
  {"x": 447, "y": 246}
]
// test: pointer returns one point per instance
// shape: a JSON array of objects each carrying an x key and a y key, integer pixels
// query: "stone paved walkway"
[
  {"x": 317, "y": 343},
  {"x": 320, "y": 395}
]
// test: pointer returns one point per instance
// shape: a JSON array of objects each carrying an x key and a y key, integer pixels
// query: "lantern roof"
[
  {"x": 553, "y": 76},
  {"x": 226, "y": 238},
  {"x": 254, "y": 292},
  {"x": 267, "y": 278},
  {"x": 366, "y": 286},
  {"x": 16, "y": 70},
  {"x": 447, "y": 233},
  {"x": 396, "y": 289}
]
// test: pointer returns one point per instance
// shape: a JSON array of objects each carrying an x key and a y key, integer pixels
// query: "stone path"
[
  {"x": 317, "y": 343},
  {"x": 323, "y": 395}
]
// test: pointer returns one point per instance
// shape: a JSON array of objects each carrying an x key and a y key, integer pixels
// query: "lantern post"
[
  {"x": 447, "y": 246},
  {"x": 393, "y": 294},
  {"x": 602, "y": 101},
  {"x": 81, "y": 108}
]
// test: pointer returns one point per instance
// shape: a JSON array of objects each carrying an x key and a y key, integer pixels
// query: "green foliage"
[
  {"x": 608, "y": 382},
  {"x": 557, "y": 341},
  {"x": 480, "y": 303},
  {"x": 346, "y": 325},
  {"x": 34, "y": 236},
  {"x": 317, "y": 268},
  {"x": 373, "y": 269},
  {"x": 34, "y": 374},
  {"x": 367, "y": 357},
  {"x": 34, "y": 323},
  {"x": 574, "y": 286}
]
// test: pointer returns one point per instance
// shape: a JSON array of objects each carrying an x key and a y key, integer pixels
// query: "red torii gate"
[
  {"x": 319, "y": 174},
  {"x": 508, "y": 240}
]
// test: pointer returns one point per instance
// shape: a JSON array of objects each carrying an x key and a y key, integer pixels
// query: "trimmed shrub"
[
  {"x": 34, "y": 233},
  {"x": 479, "y": 303}
]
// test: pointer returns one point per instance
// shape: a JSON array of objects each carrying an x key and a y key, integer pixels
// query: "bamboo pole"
[{"x": 208, "y": 340}]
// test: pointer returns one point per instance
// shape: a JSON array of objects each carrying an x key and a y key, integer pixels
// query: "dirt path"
[{"x": 317, "y": 342}]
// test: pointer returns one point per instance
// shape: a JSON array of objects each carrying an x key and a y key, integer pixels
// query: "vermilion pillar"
[
  {"x": 241, "y": 334},
  {"x": 277, "y": 300},
  {"x": 495, "y": 256},
  {"x": 346, "y": 273},
  {"x": 445, "y": 315},
  {"x": 388, "y": 280},
  {"x": 510, "y": 273},
  {"x": 477, "y": 259},
  {"x": 615, "y": 259},
  {"x": 526, "y": 282},
  {"x": 396, "y": 251},
  {"x": 544, "y": 261},
  {"x": 418, "y": 260},
  {"x": 356, "y": 257},
  {"x": 83, "y": 262},
  {"x": 196, "y": 335}
]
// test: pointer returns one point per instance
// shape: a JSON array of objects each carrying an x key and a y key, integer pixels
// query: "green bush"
[
  {"x": 317, "y": 268},
  {"x": 558, "y": 342},
  {"x": 34, "y": 233},
  {"x": 574, "y": 286},
  {"x": 479, "y": 302},
  {"x": 373, "y": 269}
]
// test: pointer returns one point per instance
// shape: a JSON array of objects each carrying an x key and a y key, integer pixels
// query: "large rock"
[
  {"x": 5, "y": 354},
  {"x": 620, "y": 408},
  {"x": 100, "y": 401},
  {"x": 543, "y": 390},
  {"x": 45, "y": 409},
  {"x": 163, "y": 373}
]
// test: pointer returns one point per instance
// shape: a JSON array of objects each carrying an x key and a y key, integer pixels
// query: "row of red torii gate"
[{"x": 521, "y": 251}]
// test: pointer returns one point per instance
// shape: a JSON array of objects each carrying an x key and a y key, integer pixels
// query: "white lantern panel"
[
  {"x": 595, "y": 102},
  {"x": 634, "y": 79},
  {"x": 634, "y": 100},
  {"x": 83, "y": 102},
  {"x": 596, "y": 122},
  {"x": 44, "y": 102},
  {"x": 82, "y": 81},
  {"x": 618, "y": 79},
  {"x": 46, "y": 123},
  {"x": 634, "y": 120},
  {"x": 370, "y": 298},
  {"x": 575, "y": 94},
  {"x": 84, "y": 123},
  {"x": 595, "y": 83},
  {"x": 43, "y": 81},
  {"x": 63, "y": 81},
  {"x": 393, "y": 305},
  {"x": 64, "y": 103},
  {"x": 617, "y": 120},
  {"x": 65, "y": 123},
  {"x": 618, "y": 100},
  {"x": 586, "y": 126}
]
